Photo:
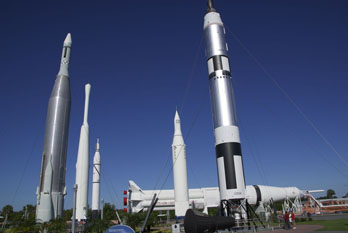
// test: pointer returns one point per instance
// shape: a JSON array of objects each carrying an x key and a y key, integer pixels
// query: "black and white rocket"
[
  {"x": 51, "y": 191},
  {"x": 96, "y": 183},
  {"x": 227, "y": 140}
]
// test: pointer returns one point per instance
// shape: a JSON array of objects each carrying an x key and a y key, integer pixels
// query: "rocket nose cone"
[
  {"x": 176, "y": 116},
  {"x": 68, "y": 41},
  {"x": 177, "y": 127}
]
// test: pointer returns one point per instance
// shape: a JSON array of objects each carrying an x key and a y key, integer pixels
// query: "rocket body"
[
  {"x": 82, "y": 165},
  {"x": 96, "y": 183},
  {"x": 209, "y": 197},
  {"x": 226, "y": 131},
  {"x": 51, "y": 190},
  {"x": 179, "y": 170}
]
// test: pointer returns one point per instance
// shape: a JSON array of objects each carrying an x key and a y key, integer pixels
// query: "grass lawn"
[{"x": 329, "y": 225}]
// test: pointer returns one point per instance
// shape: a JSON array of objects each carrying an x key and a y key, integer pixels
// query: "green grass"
[{"x": 329, "y": 225}]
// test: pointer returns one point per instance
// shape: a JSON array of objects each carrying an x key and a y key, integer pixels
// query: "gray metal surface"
[
  {"x": 222, "y": 100},
  {"x": 56, "y": 133},
  {"x": 51, "y": 190},
  {"x": 215, "y": 43}
]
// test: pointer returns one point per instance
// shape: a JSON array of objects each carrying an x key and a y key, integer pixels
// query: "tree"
[
  {"x": 57, "y": 226},
  {"x": 7, "y": 209},
  {"x": 97, "y": 226},
  {"x": 68, "y": 214},
  {"x": 109, "y": 212},
  {"x": 135, "y": 219},
  {"x": 330, "y": 194}
]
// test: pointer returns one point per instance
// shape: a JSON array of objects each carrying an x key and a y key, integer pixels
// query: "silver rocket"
[
  {"x": 96, "y": 183},
  {"x": 51, "y": 191},
  {"x": 226, "y": 131},
  {"x": 82, "y": 164}
]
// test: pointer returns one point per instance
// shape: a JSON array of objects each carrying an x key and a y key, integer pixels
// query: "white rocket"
[
  {"x": 96, "y": 183},
  {"x": 179, "y": 170},
  {"x": 82, "y": 165},
  {"x": 139, "y": 200}
]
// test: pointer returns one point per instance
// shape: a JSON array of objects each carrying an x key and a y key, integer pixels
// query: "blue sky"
[{"x": 144, "y": 59}]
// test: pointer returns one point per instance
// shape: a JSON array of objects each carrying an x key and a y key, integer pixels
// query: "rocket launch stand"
[{"x": 241, "y": 211}]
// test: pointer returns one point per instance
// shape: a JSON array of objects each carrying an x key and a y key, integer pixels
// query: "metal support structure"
[
  {"x": 149, "y": 211},
  {"x": 74, "y": 210},
  {"x": 5, "y": 222}
]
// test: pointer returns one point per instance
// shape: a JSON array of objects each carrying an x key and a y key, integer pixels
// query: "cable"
[
  {"x": 185, "y": 139},
  {"x": 183, "y": 101},
  {"x": 191, "y": 76},
  {"x": 306, "y": 118},
  {"x": 25, "y": 168}
]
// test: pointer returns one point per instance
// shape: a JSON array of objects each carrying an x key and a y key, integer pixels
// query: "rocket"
[
  {"x": 139, "y": 199},
  {"x": 96, "y": 182},
  {"x": 179, "y": 170},
  {"x": 82, "y": 164},
  {"x": 226, "y": 131},
  {"x": 51, "y": 191}
]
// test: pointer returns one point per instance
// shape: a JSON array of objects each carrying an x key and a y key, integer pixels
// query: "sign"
[{"x": 120, "y": 229}]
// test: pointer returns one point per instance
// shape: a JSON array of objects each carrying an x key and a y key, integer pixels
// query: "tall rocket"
[
  {"x": 82, "y": 164},
  {"x": 226, "y": 131},
  {"x": 51, "y": 191},
  {"x": 179, "y": 170},
  {"x": 96, "y": 182}
]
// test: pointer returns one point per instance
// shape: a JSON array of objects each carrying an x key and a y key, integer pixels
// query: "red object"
[
  {"x": 125, "y": 192},
  {"x": 286, "y": 217},
  {"x": 125, "y": 201},
  {"x": 125, "y": 210},
  {"x": 292, "y": 217}
]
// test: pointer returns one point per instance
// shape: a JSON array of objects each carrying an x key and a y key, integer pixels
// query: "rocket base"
[{"x": 44, "y": 209}]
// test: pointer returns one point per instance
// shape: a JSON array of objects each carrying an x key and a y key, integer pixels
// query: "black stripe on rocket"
[
  {"x": 228, "y": 151},
  {"x": 218, "y": 65},
  {"x": 258, "y": 194}
]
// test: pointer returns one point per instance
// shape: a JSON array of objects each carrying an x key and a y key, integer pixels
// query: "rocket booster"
[
  {"x": 51, "y": 190},
  {"x": 96, "y": 182},
  {"x": 227, "y": 140},
  {"x": 179, "y": 170},
  {"x": 82, "y": 164}
]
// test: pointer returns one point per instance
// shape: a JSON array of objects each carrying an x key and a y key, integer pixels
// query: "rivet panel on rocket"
[
  {"x": 51, "y": 190},
  {"x": 227, "y": 140}
]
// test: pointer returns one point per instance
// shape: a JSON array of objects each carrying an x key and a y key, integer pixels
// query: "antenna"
[{"x": 210, "y": 6}]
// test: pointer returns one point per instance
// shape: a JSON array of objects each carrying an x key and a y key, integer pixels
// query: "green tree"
[
  {"x": 31, "y": 211},
  {"x": 97, "y": 226},
  {"x": 41, "y": 227},
  {"x": 57, "y": 226},
  {"x": 330, "y": 194},
  {"x": 109, "y": 212},
  {"x": 68, "y": 214},
  {"x": 26, "y": 225},
  {"x": 135, "y": 219},
  {"x": 213, "y": 211},
  {"x": 7, "y": 209}
]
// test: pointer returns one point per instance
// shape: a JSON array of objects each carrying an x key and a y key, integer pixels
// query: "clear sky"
[{"x": 144, "y": 59}]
